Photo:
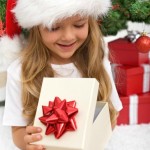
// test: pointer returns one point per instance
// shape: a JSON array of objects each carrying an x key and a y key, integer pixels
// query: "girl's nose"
[{"x": 68, "y": 34}]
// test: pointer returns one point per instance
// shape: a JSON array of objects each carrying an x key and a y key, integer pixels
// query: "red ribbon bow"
[{"x": 59, "y": 117}]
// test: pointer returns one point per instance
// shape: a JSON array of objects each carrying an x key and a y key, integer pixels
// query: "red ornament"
[
  {"x": 143, "y": 44},
  {"x": 59, "y": 117}
]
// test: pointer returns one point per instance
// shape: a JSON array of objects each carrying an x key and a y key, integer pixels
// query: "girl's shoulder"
[{"x": 14, "y": 69}]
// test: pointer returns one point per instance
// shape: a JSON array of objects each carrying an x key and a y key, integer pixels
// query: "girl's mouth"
[{"x": 66, "y": 46}]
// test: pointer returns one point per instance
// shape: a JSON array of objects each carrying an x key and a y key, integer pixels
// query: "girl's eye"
[
  {"x": 79, "y": 26},
  {"x": 54, "y": 28}
]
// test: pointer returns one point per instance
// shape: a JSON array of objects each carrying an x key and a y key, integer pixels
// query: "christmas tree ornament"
[
  {"x": 132, "y": 36},
  {"x": 143, "y": 44}
]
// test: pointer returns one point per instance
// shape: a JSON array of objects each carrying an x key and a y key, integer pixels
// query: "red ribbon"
[{"x": 59, "y": 117}]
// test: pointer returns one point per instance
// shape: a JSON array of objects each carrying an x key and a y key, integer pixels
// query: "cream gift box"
[{"x": 92, "y": 132}]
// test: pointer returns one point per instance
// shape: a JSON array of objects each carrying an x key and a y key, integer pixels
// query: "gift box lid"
[
  {"x": 101, "y": 129},
  {"x": 125, "y": 52},
  {"x": 143, "y": 98},
  {"x": 122, "y": 44},
  {"x": 130, "y": 70},
  {"x": 84, "y": 92}
]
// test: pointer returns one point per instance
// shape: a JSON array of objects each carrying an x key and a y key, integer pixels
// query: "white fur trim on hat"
[
  {"x": 9, "y": 50},
  {"x": 31, "y": 13}
]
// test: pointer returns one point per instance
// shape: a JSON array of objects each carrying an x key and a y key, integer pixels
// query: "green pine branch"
[
  {"x": 123, "y": 11},
  {"x": 2, "y": 9},
  {"x": 140, "y": 12}
]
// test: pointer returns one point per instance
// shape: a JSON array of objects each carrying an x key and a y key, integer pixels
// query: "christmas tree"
[{"x": 123, "y": 11}]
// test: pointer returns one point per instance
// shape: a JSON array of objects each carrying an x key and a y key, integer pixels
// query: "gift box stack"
[{"x": 131, "y": 71}]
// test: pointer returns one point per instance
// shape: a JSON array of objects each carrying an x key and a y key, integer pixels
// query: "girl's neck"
[{"x": 61, "y": 62}]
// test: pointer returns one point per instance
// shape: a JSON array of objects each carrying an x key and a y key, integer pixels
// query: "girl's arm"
[{"x": 23, "y": 136}]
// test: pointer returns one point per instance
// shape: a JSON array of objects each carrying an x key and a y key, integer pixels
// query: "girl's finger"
[
  {"x": 34, "y": 147},
  {"x": 32, "y": 138},
  {"x": 32, "y": 130}
]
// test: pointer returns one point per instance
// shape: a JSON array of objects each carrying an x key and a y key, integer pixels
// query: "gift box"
[
  {"x": 124, "y": 52},
  {"x": 132, "y": 80},
  {"x": 136, "y": 109},
  {"x": 92, "y": 120}
]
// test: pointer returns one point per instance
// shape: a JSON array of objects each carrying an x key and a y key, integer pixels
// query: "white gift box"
[{"x": 93, "y": 120}]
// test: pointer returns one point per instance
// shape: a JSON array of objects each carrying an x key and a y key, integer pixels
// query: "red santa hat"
[{"x": 29, "y": 13}]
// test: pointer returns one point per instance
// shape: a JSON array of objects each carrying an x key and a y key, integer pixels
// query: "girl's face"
[{"x": 65, "y": 38}]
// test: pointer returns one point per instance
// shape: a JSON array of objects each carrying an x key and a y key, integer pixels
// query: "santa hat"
[
  {"x": 28, "y": 13},
  {"x": 31, "y": 13}
]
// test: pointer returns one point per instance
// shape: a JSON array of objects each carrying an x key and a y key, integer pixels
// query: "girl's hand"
[{"x": 32, "y": 137}]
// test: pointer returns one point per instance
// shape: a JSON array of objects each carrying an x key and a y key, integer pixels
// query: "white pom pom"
[{"x": 9, "y": 50}]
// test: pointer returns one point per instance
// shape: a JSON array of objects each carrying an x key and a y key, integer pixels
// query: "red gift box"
[
  {"x": 124, "y": 52},
  {"x": 132, "y": 80},
  {"x": 136, "y": 109}
]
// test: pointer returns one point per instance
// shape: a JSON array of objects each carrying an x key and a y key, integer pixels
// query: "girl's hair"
[{"x": 88, "y": 59}]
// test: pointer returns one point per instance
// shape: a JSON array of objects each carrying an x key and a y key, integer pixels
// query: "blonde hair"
[{"x": 88, "y": 59}]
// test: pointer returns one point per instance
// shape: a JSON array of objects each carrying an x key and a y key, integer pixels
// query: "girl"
[{"x": 64, "y": 41}]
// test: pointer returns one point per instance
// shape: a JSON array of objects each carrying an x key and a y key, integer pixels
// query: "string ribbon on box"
[{"x": 59, "y": 117}]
